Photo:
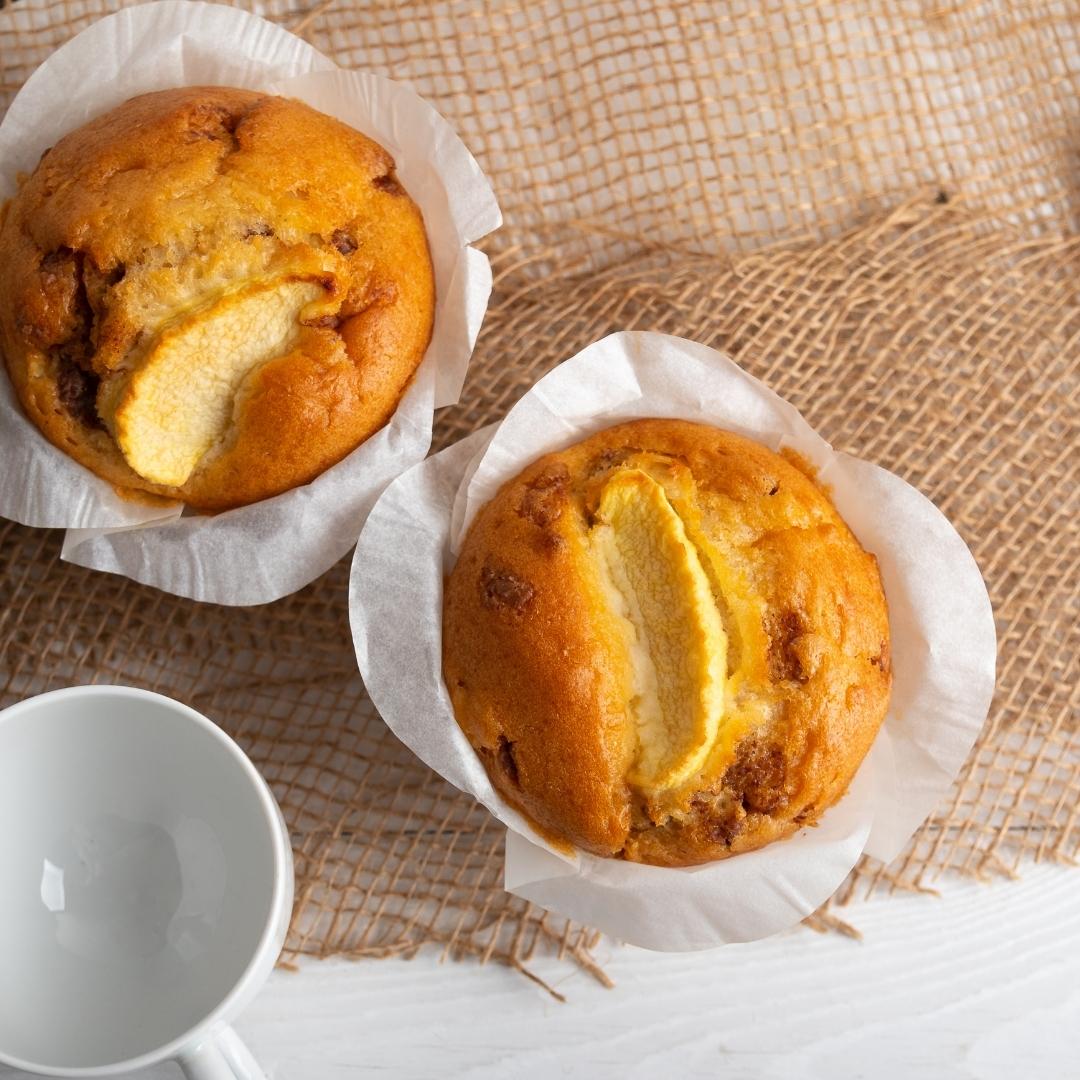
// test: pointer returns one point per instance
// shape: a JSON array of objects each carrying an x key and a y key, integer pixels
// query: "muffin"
[
  {"x": 212, "y": 294},
  {"x": 665, "y": 645}
]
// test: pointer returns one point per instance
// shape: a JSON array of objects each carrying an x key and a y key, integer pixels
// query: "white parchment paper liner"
[
  {"x": 943, "y": 645},
  {"x": 260, "y": 552}
]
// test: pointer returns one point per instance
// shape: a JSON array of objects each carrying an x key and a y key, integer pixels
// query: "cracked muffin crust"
[
  {"x": 212, "y": 294},
  {"x": 666, "y": 645}
]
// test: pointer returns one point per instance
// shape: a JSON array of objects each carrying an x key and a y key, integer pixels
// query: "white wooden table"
[{"x": 982, "y": 983}]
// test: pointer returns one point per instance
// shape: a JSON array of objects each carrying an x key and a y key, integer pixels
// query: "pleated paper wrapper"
[
  {"x": 941, "y": 627},
  {"x": 260, "y": 552}
]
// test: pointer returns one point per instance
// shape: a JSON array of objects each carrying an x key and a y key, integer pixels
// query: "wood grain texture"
[{"x": 983, "y": 983}]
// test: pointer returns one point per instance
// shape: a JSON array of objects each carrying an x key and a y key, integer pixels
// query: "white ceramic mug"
[{"x": 145, "y": 886}]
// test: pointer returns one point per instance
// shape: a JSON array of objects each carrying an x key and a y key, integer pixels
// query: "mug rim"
[{"x": 280, "y": 900}]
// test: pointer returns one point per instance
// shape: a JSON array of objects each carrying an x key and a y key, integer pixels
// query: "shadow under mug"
[{"x": 146, "y": 886}]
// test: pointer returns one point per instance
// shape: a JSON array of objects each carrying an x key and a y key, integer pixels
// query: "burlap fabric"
[{"x": 873, "y": 210}]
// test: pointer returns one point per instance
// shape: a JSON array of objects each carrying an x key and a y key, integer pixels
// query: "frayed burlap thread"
[{"x": 875, "y": 215}]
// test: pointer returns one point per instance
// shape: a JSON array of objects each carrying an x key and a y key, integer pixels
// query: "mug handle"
[{"x": 223, "y": 1056}]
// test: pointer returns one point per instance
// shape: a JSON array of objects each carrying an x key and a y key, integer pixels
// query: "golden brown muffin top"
[
  {"x": 666, "y": 645},
  {"x": 213, "y": 294}
]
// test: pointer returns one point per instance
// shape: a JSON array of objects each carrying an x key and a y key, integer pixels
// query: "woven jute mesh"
[{"x": 872, "y": 207}]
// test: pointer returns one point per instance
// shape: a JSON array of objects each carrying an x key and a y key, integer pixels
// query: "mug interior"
[{"x": 137, "y": 873}]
